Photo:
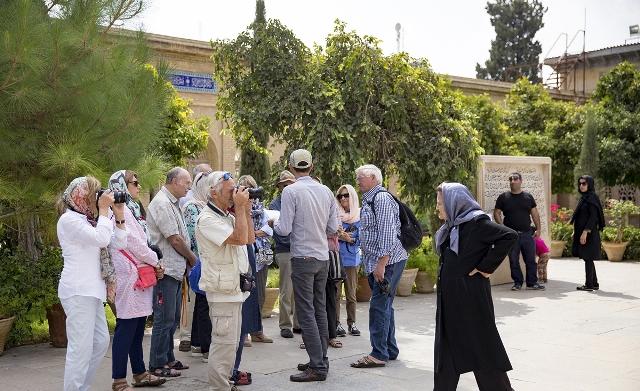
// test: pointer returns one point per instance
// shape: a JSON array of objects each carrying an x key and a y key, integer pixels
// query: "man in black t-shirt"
[{"x": 519, "y": 207}]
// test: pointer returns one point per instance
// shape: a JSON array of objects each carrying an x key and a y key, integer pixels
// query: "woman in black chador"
[
  {"x": 471, "y": 247},
  {"x": 588, "y": 221}
]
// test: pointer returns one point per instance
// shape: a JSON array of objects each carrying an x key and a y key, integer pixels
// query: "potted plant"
[
  {"x": 271, "y": 293},
  {"x": 613, "y": 238},
  {"x": 427, "y": 262},
  {"x": 14, "y": 304},
  {"x": 561, "y": 230},
  {"x": 363, "y": 290}
]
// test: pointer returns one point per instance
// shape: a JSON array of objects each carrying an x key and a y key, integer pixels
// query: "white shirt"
[{"x": 81, "y": 243}]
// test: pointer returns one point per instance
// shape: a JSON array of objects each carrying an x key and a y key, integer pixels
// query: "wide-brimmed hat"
[{"x": 285, "y": 176}]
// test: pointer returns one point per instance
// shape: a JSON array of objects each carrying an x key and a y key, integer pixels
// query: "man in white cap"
[{"x": 309, "y": 213}]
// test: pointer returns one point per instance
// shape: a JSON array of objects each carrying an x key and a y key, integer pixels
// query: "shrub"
[
  {"x": 424, "y": 258},
  {"x": 561, "y": 231},
  {"x": 619, "y": 212}
]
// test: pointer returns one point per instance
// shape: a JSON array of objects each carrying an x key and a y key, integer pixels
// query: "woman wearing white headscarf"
[
  {"x": 133, "y": 304},
  {"x": 471, "y": 247},
  {"x": 84, "y": 231},
  {"x": 349, "y": 238}
]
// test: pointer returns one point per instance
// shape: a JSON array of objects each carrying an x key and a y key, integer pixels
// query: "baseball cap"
[
  {"x": 285, "y": 176},
  {"x": 300, "y": 158}
]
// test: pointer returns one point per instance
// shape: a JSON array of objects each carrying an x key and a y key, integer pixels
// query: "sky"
[{"x": 453, "y": 35}]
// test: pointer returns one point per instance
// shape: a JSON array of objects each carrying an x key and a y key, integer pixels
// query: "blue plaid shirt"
[{"x": 379, "y": 233}]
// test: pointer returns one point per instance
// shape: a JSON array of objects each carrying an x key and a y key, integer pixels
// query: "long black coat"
[
  {"x": 465, "y": 321},
  {"x": 586, "y": 217}
]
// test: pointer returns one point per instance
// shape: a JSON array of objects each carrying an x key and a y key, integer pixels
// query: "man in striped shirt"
[{"x": 384, "y": 259}]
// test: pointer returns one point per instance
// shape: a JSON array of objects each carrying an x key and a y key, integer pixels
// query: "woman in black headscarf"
[
  {"x": 588, "y": 221},
  {"x": 471, "y": 247}
]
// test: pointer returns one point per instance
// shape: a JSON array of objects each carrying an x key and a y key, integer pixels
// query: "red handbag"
[{"x": 146, "y": 273}]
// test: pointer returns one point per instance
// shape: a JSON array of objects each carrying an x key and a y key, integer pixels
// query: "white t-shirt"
[
  {"x": 221, "y": 263},
  {"x": 81, "y": 243}
]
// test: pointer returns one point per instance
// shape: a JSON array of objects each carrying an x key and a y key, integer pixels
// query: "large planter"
[
  {"x": 5, "y": 328},
  {"x": 614, "y": 251},
  {"x": 363, "y": 290},
  {"x": 407, "y": 279},
  {"x": 57, "y": 326},
  {"x": 557, "y": 248},
  {"x": 424, "y": 283},
  {"x": 270, "y": 298}
]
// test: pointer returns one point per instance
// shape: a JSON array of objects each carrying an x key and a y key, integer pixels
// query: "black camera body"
[
  {"x": 247, "y": 282},
  {"x": 255, "y": 193},
  {"x": 119, "y": 197}
]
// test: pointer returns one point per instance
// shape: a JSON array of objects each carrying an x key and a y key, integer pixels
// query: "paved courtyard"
[{"x": 560, "y": 339}]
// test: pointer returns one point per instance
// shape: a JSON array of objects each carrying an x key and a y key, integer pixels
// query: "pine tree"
[
  {"x": 514, "y": 53},
  {"x": 75, "y": 99},
  {"x": 588, "y": 162}
]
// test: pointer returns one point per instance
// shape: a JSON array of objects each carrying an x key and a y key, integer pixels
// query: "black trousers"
[
  {"x": 591, "y": 280},
  {"x": 201, "y": 315},
  {"x": 446, "y": 379},
  {"x": 332, "y": 316}
]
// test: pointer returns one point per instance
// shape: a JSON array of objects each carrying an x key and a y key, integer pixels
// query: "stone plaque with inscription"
[{"x": 493, "y": 180}]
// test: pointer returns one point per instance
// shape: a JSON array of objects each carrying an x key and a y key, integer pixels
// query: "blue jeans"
[
  {"x": 527, "y": 246},
  {"x": 127, "y": 345},
  {"x": 167, "y": 298},
  {"x": 382, "y": 326}
]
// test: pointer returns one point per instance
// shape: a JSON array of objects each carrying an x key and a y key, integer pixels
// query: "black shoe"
[
  {"x": 536, "y": 287},
  {"x": 297, "y": 331},
  {"x": 516, "y": 287},
  {"x": 286, "y": 333},
  {"x": 585, "y": 288},
  {"x": 185, "y": 346},
  {"x": 340, "y": 332},
  {"x": 308, "y": 375},
  {"x": 596, "y": 288},
  {"x": 303, "y": 367},
  {"x": 353, "y": 330}
]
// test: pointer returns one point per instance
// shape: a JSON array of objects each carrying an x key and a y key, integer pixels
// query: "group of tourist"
[{"x": 197, "y": 260}]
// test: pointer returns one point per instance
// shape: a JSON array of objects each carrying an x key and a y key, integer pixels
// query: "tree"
[
  {"x": 488, "y": 119},
  {"x": 514, "y": 53},
  {"x": 617, "y": 100},
  {"x": 588, "y": 161},
  {"x": 73, "y": 101}
]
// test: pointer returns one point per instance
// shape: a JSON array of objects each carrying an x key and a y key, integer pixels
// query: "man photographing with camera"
[{"x": 222, "y": 239}]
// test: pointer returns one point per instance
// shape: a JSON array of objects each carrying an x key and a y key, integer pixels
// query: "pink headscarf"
[
  {"x": 75, "y": 198},
  {"x": 354, "y": 206}
]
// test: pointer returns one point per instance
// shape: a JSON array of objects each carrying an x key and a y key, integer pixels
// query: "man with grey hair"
[
  {"x": 309, "y": 213},
  {"x": 384, "y": 259},
  {"x": 188, "y": 300},
  {"x": 167, "y": 231}
]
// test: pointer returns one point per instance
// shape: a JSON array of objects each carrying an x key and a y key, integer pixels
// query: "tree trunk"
[{"x": 29, "y": 237}]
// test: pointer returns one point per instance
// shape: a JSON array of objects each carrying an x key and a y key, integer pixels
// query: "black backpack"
[{"x": 410, "y": 229}]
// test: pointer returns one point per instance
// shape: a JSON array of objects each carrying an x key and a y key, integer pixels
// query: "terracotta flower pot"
[
  {"x": 615, "y": 251},
  {"x": 5, "y": 328},
  {"x": 557, "y": 248},
  {"x": 407, "y": 280},
  {"x": 270, "y": 298},
  {"x": 363, "y": 291},
  {"x": 57, "y": 326},
  {"x": 424, "y": 283}
]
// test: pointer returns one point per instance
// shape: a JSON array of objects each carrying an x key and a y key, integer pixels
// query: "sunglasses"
[
  {"x": 341, "y": 196},
  {"x": 582, "y": 183},
  {"x": 225, "y": 177},
  {"x": 135, "y": 183},
  {"x": 514, "y": 178}
]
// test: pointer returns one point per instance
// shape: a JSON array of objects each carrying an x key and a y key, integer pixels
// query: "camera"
[
  {"x": 119, "y": 197},
  {"x": 247, "y": 282},
  {"x": 254, "y": 192}
]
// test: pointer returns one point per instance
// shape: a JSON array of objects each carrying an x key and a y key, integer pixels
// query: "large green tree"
[
  {"x": 73, "y": 101},
  {"x": 588, "y": 161},
  {"x": 515, "y": 52}
]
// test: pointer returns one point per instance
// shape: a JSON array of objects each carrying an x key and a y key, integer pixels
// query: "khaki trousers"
[
  {"x": 350, "y": 284},
  {"x": 287, "y": 303},
  {"x": 226, "y": 322}
]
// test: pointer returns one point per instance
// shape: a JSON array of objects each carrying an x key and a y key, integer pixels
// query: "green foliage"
[
  {"x": 514, "y": 53},
  {"x": 632, "y": 235},
  {"x": 273, "y": 277},
  {"x": 561, "y": 231},
  {"x": 424, "y": 258},
  {"x": 620, "y": 87},
  {"x": 619, "y": 212},
  {"x": 73, "y": 101},
  {"x": 588, "y": 161},
  {"x": 182, "y": 136},
  {"x": 487, "y": 119}
]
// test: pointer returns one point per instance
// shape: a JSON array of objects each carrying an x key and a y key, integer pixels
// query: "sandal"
[
  {"x": 177, "y": 365},
  {"x": 165, "y": 372},
  {"x": 367, "y": 362},
  {"x": 335, "y": 343},
  {"x": 241, "y": 379},
  {"x": 302, "y": 346},
  {"x": 146, "y": 379},
  {"x": 121, "y": 385}
]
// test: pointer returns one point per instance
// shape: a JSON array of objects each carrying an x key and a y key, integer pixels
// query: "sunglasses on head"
[
  {"x": 341, "y": 196},
  {"x": 514, "y": 178}
]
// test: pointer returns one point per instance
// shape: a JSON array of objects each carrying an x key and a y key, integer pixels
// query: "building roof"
[{"x": 630, "y": 51}]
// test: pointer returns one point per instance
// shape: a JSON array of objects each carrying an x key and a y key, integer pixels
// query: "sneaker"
[
  {"x": 286, "y": 333},
  {"x": 353, "y": 330},
  {"x": 247, "y": 342},
  {"x": 196, "y": 351},
  {"x": 516, "y": 287},
  {"x": 185, "y": 346},
  {"x": 536, "y": 287},
  {"x": 205, "y": 357},
  {"x": 340, "y": 331}
]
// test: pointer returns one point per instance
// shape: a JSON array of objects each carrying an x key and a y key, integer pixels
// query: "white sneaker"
[
  {"x": 196, "y": 351},
  {"x": 205, "y": 357}
]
